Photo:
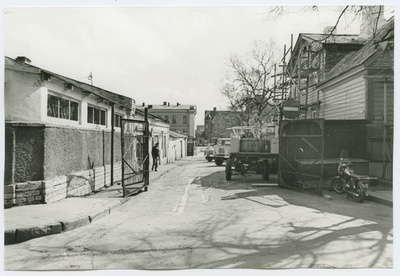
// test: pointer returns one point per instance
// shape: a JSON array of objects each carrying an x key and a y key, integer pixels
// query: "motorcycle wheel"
[
  {"x": 360, "y": 194},
  {"x": 337, "y": 185}
]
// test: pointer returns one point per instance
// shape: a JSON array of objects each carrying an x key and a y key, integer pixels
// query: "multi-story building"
[
  {"x": 180, "y": 116},
  {"x": 200, "y": 140},
  {"x": 217, "y": 122}
]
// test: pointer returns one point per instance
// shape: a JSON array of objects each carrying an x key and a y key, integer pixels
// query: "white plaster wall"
[
  {"x": 22, "y": 97},
  {"x": 157, "y": 134},
  {"x": 26, "y": 101}
]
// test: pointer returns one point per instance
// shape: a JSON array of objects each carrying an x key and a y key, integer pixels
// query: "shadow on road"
[{"x": 352, "y": 221}]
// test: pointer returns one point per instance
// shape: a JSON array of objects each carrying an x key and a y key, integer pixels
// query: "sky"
[{"x": 153, "y": 53}]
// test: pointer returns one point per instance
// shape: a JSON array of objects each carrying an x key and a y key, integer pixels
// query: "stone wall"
[{"x": 48, "y": 191}]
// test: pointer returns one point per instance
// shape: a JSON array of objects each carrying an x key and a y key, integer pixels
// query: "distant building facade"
[
  {"x": 181, "y": 119},
  {"x": 200, "y": 137},
  {"x": 177, "y": 145},
  {"x": 216, "y": 123}
]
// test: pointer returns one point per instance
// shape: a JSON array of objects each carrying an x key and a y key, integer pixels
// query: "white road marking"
[{"x": 180, "y": 206}]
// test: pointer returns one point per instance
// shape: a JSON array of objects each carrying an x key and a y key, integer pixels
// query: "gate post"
[
  {"x": 146, "y": 149},
  {"x": 124, "y": 193}
]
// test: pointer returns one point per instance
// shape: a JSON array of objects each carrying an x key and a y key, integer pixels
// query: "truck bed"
[{"x": 254, "y": 155}]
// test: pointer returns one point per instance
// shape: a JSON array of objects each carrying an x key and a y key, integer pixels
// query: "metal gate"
[
  {"x": 301, "y": 154},
  {"x": 135, "y": 156}
]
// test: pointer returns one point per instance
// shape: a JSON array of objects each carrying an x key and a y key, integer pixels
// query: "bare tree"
[
  {"x": 248, "y": 83},
  {"x": 350, "y": 12}
]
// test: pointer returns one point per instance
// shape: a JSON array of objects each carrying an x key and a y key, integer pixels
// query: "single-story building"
[{"x": 62, "y": 136}]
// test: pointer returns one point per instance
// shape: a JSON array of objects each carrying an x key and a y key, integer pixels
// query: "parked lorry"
[
  {"x": 222, "y": 150},
  {"x": 249, "y": 153}
]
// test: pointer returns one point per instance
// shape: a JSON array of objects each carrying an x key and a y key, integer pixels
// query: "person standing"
[{"x": 156, "y": 154}]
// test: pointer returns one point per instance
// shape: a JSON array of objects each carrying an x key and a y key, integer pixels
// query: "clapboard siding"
[
  {"x": 345, "y": 101},
  {"x": 377, "y": 104}
]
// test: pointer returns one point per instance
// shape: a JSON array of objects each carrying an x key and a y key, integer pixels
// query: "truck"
[
  {"x": 222, "y": 150},
  {"x": 249, "y": 153}
]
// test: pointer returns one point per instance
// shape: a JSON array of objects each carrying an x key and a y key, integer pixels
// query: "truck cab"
[{"x": 222, "y": 150}]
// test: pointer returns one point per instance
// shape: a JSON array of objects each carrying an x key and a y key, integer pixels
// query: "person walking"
[{"x": 155, "y": 153}]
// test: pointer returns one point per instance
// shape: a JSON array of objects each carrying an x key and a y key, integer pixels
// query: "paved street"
[{"x": 193, "y": 218}]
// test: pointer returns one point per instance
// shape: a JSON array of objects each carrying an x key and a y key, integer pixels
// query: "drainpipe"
[
  {"x": 384, "y": 130},
  {"x": 112, "y": 143}
]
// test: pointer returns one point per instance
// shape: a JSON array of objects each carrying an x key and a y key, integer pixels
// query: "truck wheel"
[
  {"x": 228, "y": 169},
  {"x": 265, "y": 171},
  {"x": 219, "y": 162}
]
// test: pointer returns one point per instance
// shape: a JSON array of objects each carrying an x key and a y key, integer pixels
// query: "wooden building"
[{"x": 349, "y": 77}]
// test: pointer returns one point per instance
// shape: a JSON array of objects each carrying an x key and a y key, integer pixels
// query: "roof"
[
  {"x": 324, "y": 39},
  {"x": 177, "y": 107},
  {"x": 102, "y": 93},
  {"x": 152, "y": 116},
  {"x": 334, "y": 38},
  {"x": 354, "y": 59},
  {"x": 176, "y": 134}
]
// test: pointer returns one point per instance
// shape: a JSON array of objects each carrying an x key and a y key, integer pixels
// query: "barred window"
[{"x": 61, "y": 108}]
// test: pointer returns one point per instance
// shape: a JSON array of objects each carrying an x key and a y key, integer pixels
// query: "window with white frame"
[
  {"x": 96, "y": 116},
  {"x": 58, "y": 107},
  {"x": 185, "y": 119}
]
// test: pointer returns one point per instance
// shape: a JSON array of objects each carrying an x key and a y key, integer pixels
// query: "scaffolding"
[{"x": 304, "y": 65}]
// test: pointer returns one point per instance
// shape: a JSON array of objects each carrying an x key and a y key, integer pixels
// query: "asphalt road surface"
[{"x": 193, "y": 218}]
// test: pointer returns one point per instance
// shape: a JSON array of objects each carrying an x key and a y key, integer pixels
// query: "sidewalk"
[{"x": 33, "y": 221}]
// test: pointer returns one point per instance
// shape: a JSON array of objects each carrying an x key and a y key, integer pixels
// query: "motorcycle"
[{"x": 356, "y": 186}]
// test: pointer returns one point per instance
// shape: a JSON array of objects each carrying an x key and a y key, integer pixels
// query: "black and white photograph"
[{"x": 198, "y": 137}]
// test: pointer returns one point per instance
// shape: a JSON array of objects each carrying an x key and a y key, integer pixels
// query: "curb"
[
  {"x": 380, "y": 200},
  {"x": 24, "y": 234}
]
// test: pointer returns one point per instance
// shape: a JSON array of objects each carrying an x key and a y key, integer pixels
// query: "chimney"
[
  {"x": 164, "y": 103},
  {"x": 330, "y": 29},
  {"x": 168, "y": 103},
  {"x": 372, "y": 20},
  {"x": 214, "y": 109},
  {"x": 23, "y": 60},
  {"x": 178, "y": 104},
  {"x": 143, "y": 104}
]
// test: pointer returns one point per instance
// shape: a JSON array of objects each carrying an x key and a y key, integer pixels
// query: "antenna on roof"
[{"x": 90, "y": 77}]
